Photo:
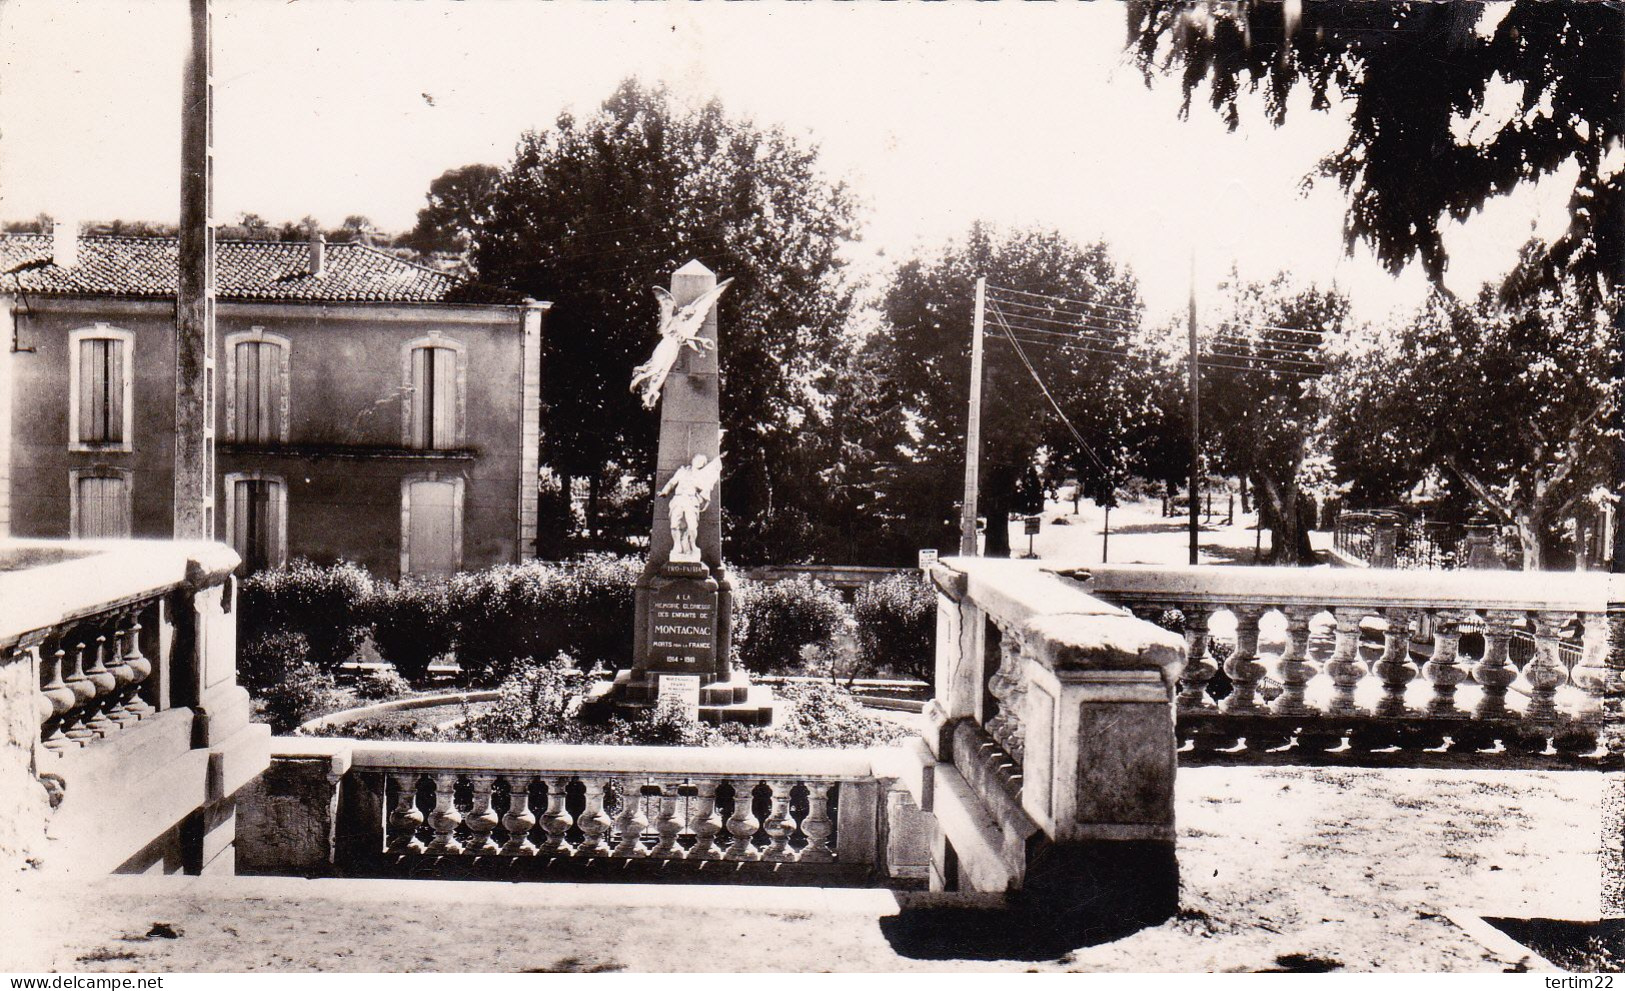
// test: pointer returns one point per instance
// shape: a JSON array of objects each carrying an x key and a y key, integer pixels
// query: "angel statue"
[
  {"x": 677, "y": 328},
  {"x": 690, "y": 490}
]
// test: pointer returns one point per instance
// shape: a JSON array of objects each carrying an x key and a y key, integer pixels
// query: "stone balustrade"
[
  {"x": 515, "y": 809},
  {"x": 1338, "y": 660},
  {"x": 120, "y": 704}
]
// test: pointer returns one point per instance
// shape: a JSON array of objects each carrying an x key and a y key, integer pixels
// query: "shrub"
[
  {"x": 825, "y": 715},
  {"x": 267, "y": 659},
  {"x": 541, "y": 609},
  {"x": 308, "y": 692},
  {"x": 324, "y": 603},
  {"x": 411, "y": 623},
  {"x": 783, "y": 617},
  {"x": 538, "y": 703},
  {"x": 381, "y": 684},
  {"x": 897, "y": 625}
]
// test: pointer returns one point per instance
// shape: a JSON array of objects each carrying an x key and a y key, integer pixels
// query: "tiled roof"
[{"x": 244, "y": 270}]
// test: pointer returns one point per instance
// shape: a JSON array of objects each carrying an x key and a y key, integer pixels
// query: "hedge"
[
  {"x": 326, "y": 604},
  {"x": 897, "y": 626},
  {"x": 496, "y": 619}
]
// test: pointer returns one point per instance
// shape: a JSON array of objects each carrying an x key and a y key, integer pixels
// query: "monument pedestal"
[{"x": 681, "y": 649}]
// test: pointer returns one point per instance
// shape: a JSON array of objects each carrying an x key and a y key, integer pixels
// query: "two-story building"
[{"x": 366, "y": 408}]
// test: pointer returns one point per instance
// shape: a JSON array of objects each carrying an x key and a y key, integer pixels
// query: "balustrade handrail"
[
  {"x": 729, "y": 762},
  {"x": 1574, "y": 591},
  {"x": 92, "y": 577}
]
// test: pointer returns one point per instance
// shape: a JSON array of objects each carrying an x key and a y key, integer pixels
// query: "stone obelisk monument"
[{"x": 684, "y": 626}]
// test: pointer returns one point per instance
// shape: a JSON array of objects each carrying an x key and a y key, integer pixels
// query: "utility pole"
[
  {"x": 1195, "y": 414},
  {"x": 194, "y": 301},
  {"x": 973, "y": 428}
]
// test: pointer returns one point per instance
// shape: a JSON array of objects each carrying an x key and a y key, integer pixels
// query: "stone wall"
[{"x": 24, "y": 807}]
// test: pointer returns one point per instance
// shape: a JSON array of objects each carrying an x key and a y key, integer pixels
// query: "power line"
[
  {"x": 1050, "y": 310},
  {"x": 1208, "y": 362},
  {"x": 999, "y": 316},
  {"x": 1069, "y": 299},
  {"x": 1066, "y": 335},
  {"x": 1076, "y": 322}
]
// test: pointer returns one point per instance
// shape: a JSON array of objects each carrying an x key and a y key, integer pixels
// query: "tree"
[
  {"x": 595, "y": 212},
  {"x": 1429, "y": 138},
  {"x": 1515, "y": 400},
  {"x": 922, "y": 358},
  {"x": 460, "y": 203},
  {"x": 1263, "y": 401}
]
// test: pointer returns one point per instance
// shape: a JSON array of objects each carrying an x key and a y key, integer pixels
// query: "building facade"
[{"x": 366, "y": 409}]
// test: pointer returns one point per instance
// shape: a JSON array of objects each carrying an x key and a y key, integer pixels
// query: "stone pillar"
[
  {"x": 530, "y": 427},
  {"x": 1384, "y": 540},
  {"x": 1479, "y": 547},
  {"x": 1099, "y": 764},
  {"x": 1613, "y": 796}
]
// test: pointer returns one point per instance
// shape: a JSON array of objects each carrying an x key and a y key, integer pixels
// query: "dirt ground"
[{"x": 1282, "y": 868}]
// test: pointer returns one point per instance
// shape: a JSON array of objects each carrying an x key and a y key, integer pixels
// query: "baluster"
[
  {"x": 1295, "y": 666},
  {"x": 1493, "y": 672},
  {"x": 124, "y": 681},
  {"x": 780, "y": 825},
  {"x": 1591, "y": 677},
  {"x": 817, "y": 826},
  {"x": 1242, "y": 665},
  {"x": 556, "y": 822},
  {"x": 519, "y": 820},
  {"x": 141, "y": 667},
  {"x": 481, "y": 818},
  {"x": 58, "y": 697},
  {"x": 742, "y": 825},
  {"x": 1199, "y": 666},
  {"x": 594, "y": 822},
  {"x": 1394, "y": 667},
  {"x": 84, "y": 692},
  {"x": 670, "y": 824},
  {"x": 1545, "y": 670},
  {"x": 406, "y": 817},
  {"x": 1443, "y": 669},
  {"x": 445, "y": 818},
  {"x": 1344, "y": 666},
  {"x": 705, "y": 822},
  {"x": 632, "y": 821},
  {"x": 105, "y": 681}
]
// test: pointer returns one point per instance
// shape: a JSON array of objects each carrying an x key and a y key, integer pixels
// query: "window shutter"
[
  {"x": 239, "y": 517},
  {"x": 104, "y": 508},
  {"x": 421, "y": 365},
  {"x": 87, "y": 391},
  {"x": 113, "y": 374},
  {"x": 271, "y": 356},
  {"x": 445, "y": 397},
  {"x": 276, "y": 549},
  {"x": 243, "y": 394}
]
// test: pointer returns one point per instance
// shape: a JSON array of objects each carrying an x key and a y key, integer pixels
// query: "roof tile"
[{"x": 244, "y": 270}]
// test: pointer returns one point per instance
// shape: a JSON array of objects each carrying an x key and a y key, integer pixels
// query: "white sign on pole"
[
  {"x": 683, "y": 687},
  {"x": 928, "y": 557}
]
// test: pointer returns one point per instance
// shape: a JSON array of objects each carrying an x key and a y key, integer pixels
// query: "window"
[
  {"x": 257, "y": 520},
  {"x": 256, "y": 388},
  {"x": 99, "y": 385},
  {"x": 434, "y": 392},
  {"x": 431, "y": 525},
  {"x": 100, "y": 507}
]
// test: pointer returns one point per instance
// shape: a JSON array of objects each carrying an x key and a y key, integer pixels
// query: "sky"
[{"x": 936, "y": 115}]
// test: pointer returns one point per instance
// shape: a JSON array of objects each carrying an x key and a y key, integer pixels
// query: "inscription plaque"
[{"x": 682, "y": 627}]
